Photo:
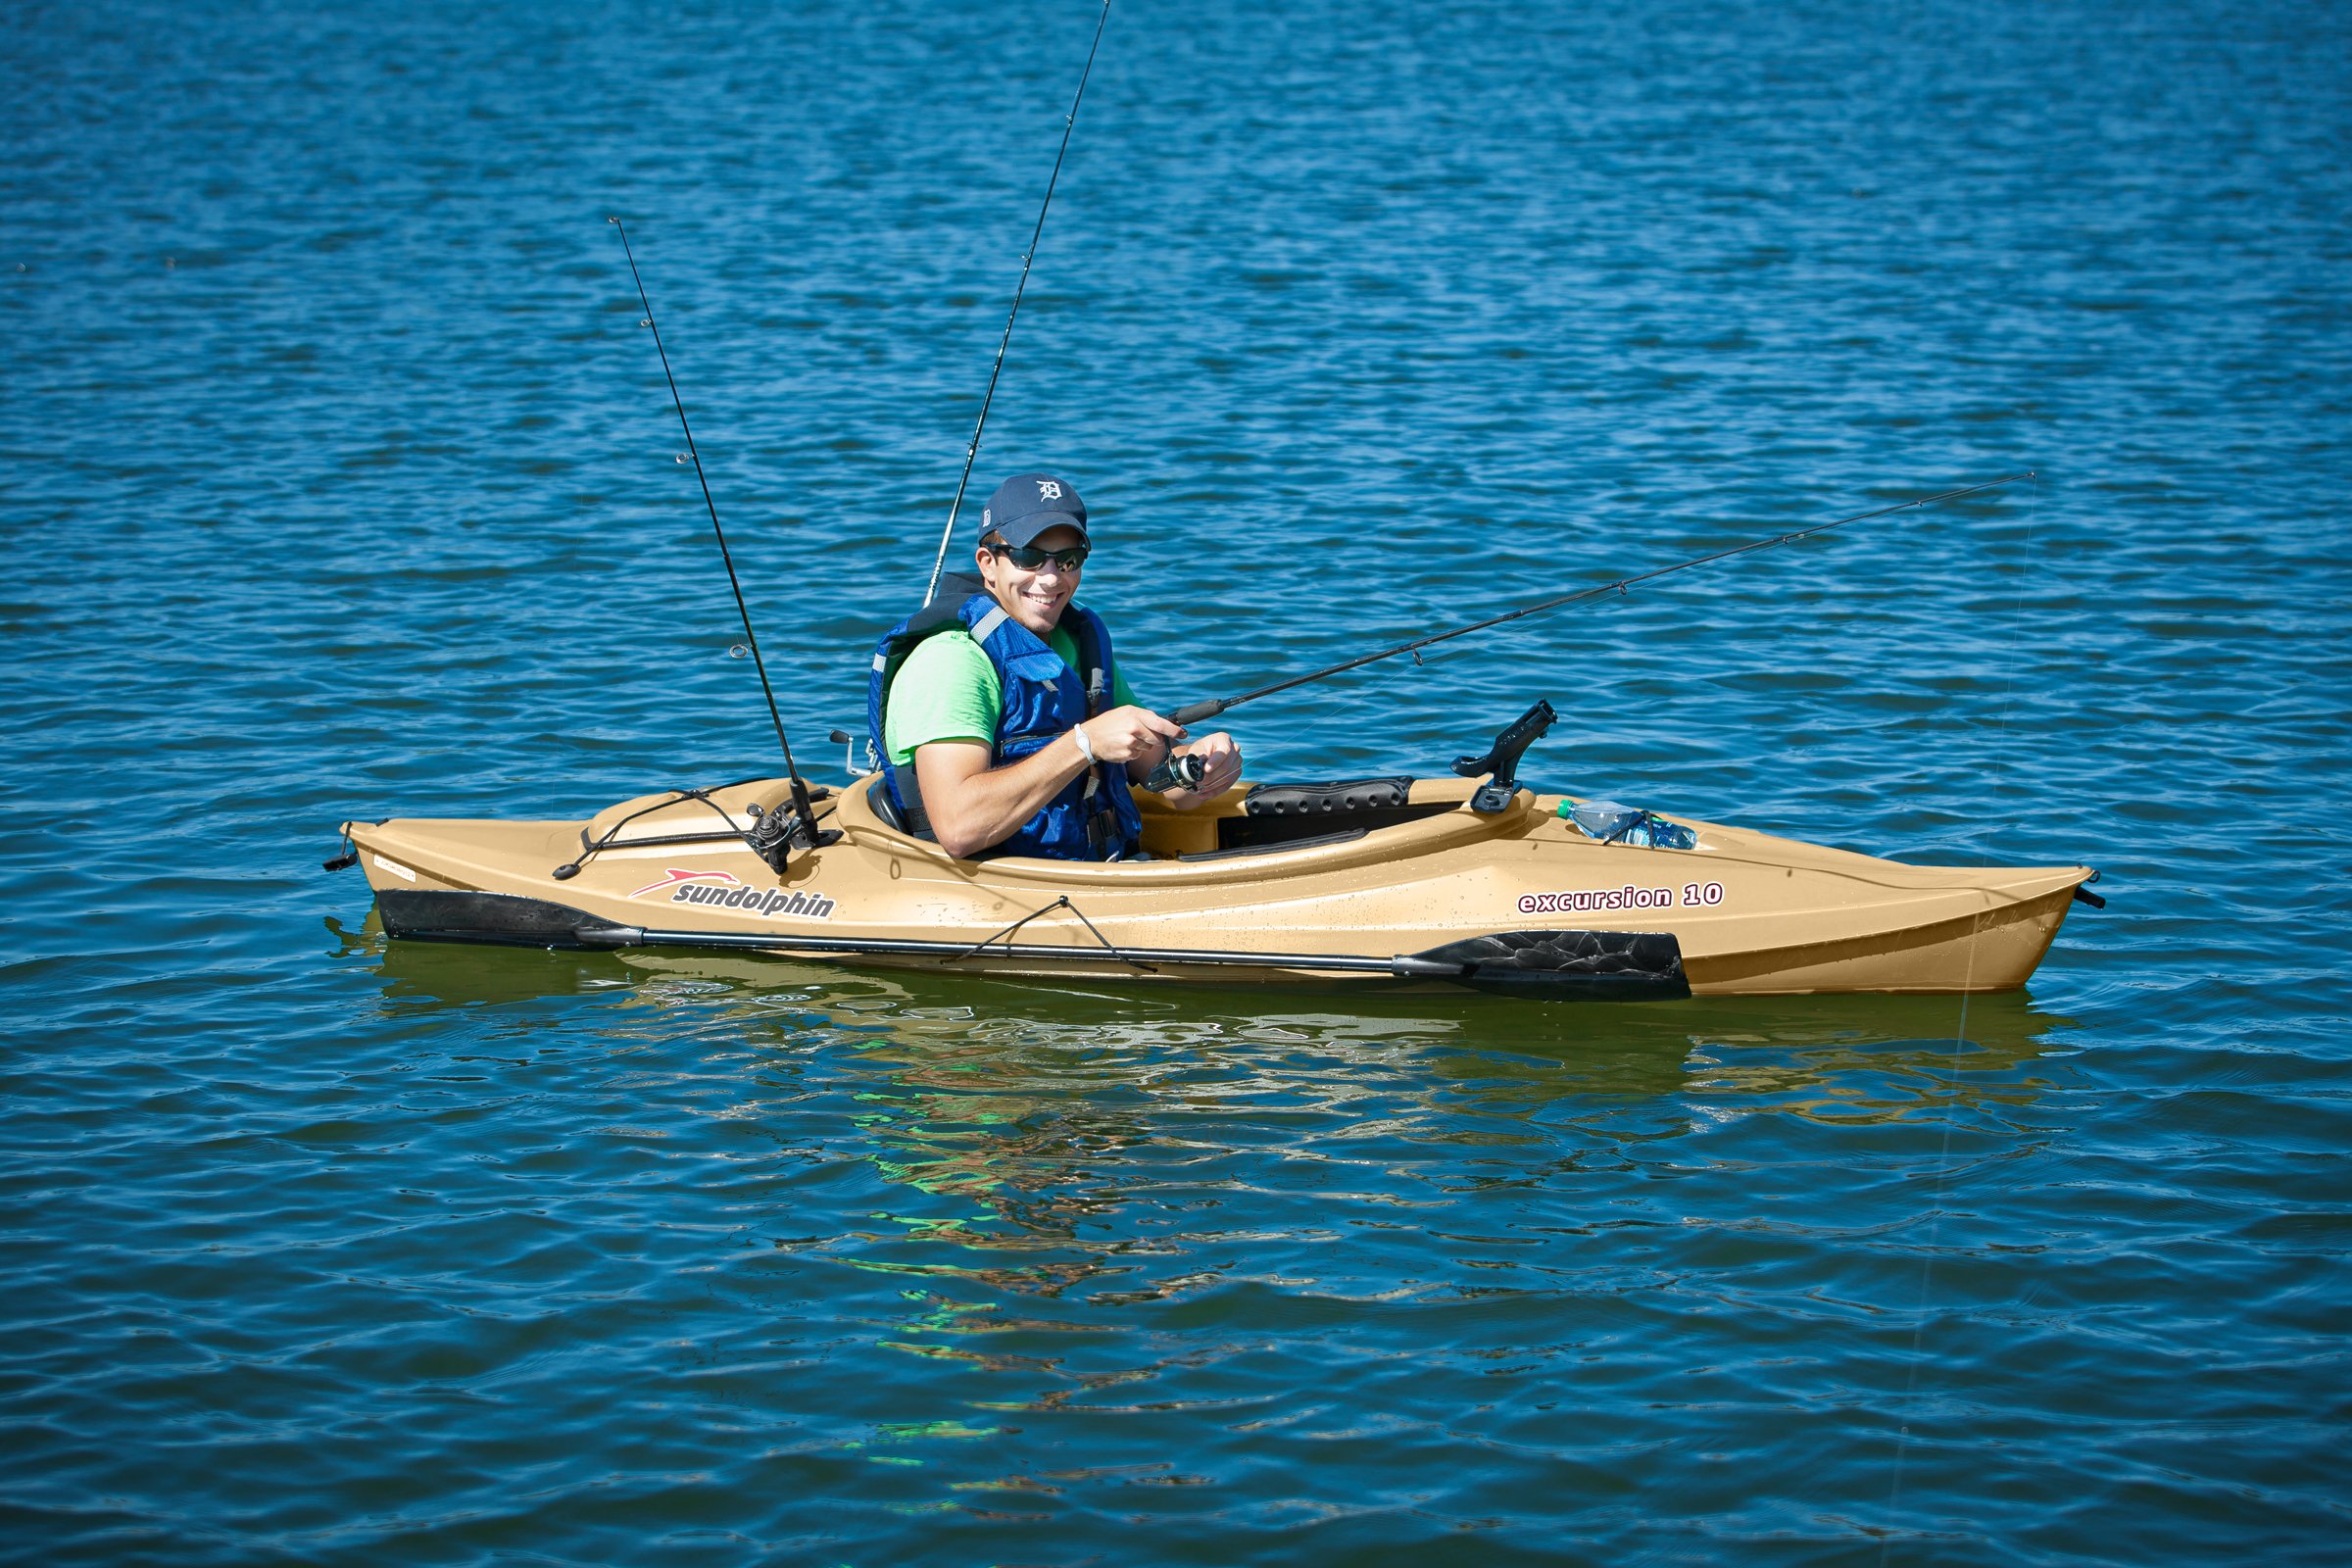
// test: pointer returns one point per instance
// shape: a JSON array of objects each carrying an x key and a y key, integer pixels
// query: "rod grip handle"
[{"x": 1191, "y": 714}]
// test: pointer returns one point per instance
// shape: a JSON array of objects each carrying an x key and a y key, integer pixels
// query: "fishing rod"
[
  {"x": 803, "y": 805},
  {"x": 1194, "y": 712},
  {"x": 973, "y": 449}
]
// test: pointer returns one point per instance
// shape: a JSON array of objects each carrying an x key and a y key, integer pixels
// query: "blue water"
[{"x": 339, "y": 480}]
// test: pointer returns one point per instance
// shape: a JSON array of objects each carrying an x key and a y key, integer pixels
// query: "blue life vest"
[{"x": 1094, "y": 816}]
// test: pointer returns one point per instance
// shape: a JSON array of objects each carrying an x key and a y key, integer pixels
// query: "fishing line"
[
  {"x": 972, "y": 448},
  {"x": 803, "y": 805},
  {"x": 1192, "y": 712},
  {"x": 1944, "y": 1159}
]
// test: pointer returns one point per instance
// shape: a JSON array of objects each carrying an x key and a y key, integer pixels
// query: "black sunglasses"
[{"x": 1031, "y": 559}]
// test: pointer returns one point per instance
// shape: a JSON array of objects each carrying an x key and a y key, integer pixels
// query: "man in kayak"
[{"x": 1000, "y": 716}]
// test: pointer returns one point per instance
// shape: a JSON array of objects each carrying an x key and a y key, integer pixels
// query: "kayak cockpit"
[{"x": 1251, "y": 819}]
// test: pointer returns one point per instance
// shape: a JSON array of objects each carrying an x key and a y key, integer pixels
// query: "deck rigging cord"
[
  {"x": 759, "y": 836},
  {"x": 1193, "y": 713},
  {"x": 1063, "y": 903},
  {"x": 805, "y": 829},
  {"x": 972, "y": 448}
]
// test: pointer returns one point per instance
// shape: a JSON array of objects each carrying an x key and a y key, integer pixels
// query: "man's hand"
[
  {"x": 1222, "y": 759},
  {"x": 1131, "y": 735},
  {"x": 973, "y": 804}
]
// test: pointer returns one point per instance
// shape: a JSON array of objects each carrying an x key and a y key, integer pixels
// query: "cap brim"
[{"x": 1022, "y": 530}]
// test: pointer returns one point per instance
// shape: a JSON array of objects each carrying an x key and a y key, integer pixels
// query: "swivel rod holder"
[{"x": 1502, "y": 760}]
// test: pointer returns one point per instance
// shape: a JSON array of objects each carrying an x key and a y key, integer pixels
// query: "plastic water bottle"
[
  {"x": 1598, "y": 819},
  {"x": 1627, "y": 824}
]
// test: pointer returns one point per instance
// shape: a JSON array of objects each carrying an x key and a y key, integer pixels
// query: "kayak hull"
[{"x": 1386, "y": 882}]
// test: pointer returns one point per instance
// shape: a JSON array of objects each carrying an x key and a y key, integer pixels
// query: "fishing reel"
[
  {"x": 1176, "y": 774},
  {"x": 849, "y": 754},
  {"x": 790, "y": 825},
  {"x": 771, "y": 836}
]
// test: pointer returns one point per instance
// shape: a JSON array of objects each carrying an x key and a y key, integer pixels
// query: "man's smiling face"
[{"x": 1034, "y": 596}]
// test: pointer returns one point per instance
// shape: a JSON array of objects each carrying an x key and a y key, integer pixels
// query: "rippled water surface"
[{"x": 339, "y": 481}]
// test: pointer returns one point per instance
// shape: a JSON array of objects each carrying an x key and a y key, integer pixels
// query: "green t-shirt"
[{"x": 948, "y": 691}]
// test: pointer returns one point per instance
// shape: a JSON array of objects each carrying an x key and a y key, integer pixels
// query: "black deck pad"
[
  {"x": 1318, "y": 799},
  {"x": 505, "y": 918},
  {"x": 1618, "y": 964},
  {"x": 1277, "y": 813}
]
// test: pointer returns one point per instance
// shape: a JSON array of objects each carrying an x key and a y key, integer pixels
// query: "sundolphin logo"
[
  {"x": 731, "y": 892},
  {"x": 1049, "y": 490},
  {"x": 766, "y": 901}
]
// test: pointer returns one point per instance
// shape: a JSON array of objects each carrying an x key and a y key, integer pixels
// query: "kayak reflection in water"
[{"x": 999, "y": 712}]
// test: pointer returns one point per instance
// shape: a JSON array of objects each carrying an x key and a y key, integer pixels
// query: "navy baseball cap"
[{"x": 1028, "y": 503}]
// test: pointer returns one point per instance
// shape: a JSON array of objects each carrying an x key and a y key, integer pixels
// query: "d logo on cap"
[{"x": 1030, "y": 504}]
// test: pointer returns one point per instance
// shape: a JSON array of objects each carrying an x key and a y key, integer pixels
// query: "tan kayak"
[{"x": 1383, "y": 881}]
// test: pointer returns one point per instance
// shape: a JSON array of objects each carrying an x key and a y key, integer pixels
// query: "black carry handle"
[
  {"x": 348, "y": 858},
  {"x": 1502, "y": 758}
]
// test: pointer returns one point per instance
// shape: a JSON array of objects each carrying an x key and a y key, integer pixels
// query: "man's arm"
[{"x": 972, "y": 806}]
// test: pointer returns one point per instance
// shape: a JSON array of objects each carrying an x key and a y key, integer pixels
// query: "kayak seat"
[
  {"x": 886, "y": 809},
  {"x": 1281, "y": 816}
]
